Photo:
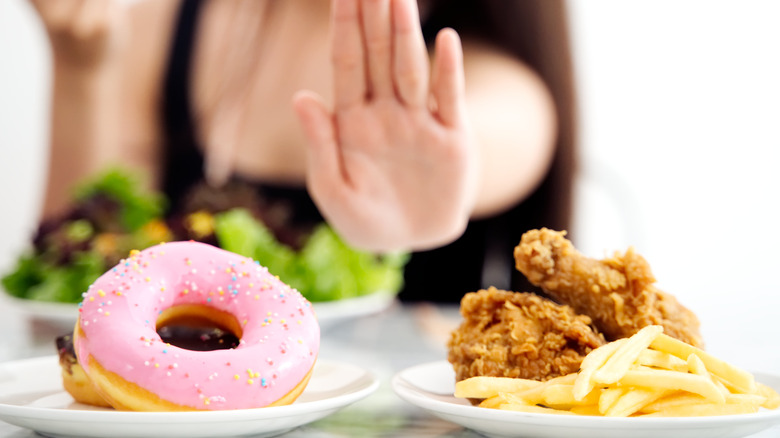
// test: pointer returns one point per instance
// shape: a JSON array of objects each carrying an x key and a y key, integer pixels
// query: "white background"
[{"x": 680, "y": 148}]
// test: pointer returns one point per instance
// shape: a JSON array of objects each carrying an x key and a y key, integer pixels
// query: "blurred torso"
[{"x": 249, "y": 58}]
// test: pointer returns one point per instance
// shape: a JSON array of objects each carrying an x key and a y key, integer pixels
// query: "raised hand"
[
  {"x": 394, "y": 164},
  {"x": 82, "y": 32}
]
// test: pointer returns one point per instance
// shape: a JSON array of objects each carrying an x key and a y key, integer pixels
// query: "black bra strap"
[{"x": 182, "y": 159}]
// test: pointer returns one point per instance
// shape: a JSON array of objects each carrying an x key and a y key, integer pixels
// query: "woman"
[{"x": 338, "y": 97}]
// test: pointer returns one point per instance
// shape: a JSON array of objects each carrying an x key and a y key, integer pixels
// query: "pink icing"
[{"x": 278, "y": 347}]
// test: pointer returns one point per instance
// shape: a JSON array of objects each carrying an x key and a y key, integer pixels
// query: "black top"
[{"x": 442, "y": 274}]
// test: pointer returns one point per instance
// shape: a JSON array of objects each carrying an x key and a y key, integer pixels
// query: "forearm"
[{"x": 84, "y": 119}]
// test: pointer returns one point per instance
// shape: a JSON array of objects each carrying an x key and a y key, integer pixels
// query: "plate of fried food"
[{"x": 612, "y": 356}]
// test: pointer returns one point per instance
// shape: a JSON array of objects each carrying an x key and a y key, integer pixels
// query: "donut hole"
[{"x": 198, "y": 328}]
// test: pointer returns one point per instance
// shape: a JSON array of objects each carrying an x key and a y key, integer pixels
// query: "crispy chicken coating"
[
  {"x": 512, "y": 334},
  {"x": 618, "y": 293}
]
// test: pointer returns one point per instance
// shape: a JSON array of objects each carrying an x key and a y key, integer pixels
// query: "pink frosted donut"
[{"x": 117, "y": 344}]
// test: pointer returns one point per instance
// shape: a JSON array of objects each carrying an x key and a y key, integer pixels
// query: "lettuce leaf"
[
  {"x": 325, "y": 269},
  {"x": 137, "y": 206},
  {"x": 36, "y": 279}
]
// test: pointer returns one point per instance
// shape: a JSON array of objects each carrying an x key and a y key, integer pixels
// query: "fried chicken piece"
[
  {"x": 618, "y": 293},
  {"x": 512, "y": 334}
]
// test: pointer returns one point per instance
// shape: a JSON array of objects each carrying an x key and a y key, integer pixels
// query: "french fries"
[
  {"x": 649, "y": 374},
  {"x": 485, "y": 387}
]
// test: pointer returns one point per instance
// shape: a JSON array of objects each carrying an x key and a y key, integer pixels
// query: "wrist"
[
  {"x": 85, "y": 56},
  {"x": 78, "y": 79},
  {"x": 66, "y": 67}
]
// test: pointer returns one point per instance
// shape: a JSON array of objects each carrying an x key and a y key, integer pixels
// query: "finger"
[
  {"x": 56, "y": 15},
  {"x": 448, "y": 87},
  {"x": 317, "y": 123},
  {"x": 116, "y": 13},
  {"x": 378, "y": 42},
  {"x": 91, "y": 18},
  {"x": 40, "y": 5},
  {"x": 349, "y": 72},
  {"x": 48, "y": 10},
  {"x": 410, "y": 56}
]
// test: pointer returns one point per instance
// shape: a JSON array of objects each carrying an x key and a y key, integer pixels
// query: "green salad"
[{"x": 112, "y": 215}]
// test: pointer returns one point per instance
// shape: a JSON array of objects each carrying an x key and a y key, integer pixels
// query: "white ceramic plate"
[
  {"x": 329, "y": 313},
  {"x": 56, "y": 313},
  {"x": 430, "y": 386},
  {"x": 31, "y": 396}
]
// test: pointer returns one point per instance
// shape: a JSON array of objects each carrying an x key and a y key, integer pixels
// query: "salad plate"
[
  {"x": 111, "y": 215},
  {"x": 430, "y": 386},
  {"x": 31, "y": 396},
  {"x": 331, "y": 313},
  {"x": 55, "y": 313}
]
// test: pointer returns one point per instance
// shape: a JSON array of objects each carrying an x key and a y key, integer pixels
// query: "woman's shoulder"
[
  {"x": 485, "y": 62},
  {"x": 497, "y": 79}
]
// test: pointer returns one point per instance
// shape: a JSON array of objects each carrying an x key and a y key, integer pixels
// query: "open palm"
[{"x": 393, "y": 165}]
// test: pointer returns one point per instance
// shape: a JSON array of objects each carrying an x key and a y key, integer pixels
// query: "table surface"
[{"x": 385, "y": 343}]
